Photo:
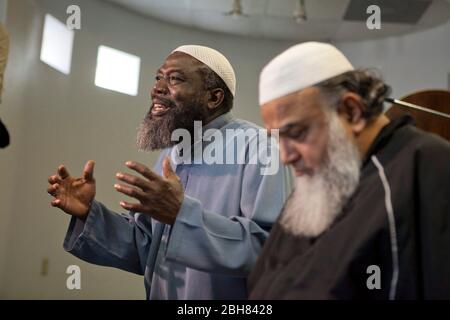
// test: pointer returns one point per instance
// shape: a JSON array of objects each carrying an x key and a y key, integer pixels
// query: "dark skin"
[{"x": 177, "y": 80}]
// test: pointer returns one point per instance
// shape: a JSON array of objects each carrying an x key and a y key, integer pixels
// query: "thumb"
[
  {"x": 88, "y": 171},
  {"x": 167, "y": 169}
]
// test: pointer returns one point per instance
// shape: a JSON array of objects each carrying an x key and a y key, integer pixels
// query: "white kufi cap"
[
  {"x": 214, "y": 60},
  {"x": 299, "y": 67}
]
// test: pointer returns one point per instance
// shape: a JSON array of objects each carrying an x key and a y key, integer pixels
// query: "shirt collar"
[
  {"x": 217, "y": 123},
  {"x": 385, "y": 135}
]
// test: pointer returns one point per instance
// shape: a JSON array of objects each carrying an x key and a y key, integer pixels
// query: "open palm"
[{"x": 73, "y": 195}]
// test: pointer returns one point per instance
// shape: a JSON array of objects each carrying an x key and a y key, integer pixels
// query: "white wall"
[
  {"x": 408, "y": 63},
  {"x": 56, "y": 119}
]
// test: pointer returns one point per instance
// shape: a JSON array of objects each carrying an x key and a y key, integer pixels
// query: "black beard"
[{"x": 154, "y": 133}]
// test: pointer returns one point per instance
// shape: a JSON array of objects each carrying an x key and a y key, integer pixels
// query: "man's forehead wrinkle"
[
  {"x": 291, "y": 108},
  {"x": 297, "y": 115},
  {"x": 187, "y": 59},
  {"x": 184, "y": 64},
  {"x": 289, "y": 122}
]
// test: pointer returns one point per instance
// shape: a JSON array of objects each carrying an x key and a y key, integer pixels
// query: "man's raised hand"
[
  {"x": 73, "y": 195},
  {"x": 159, "y": 197}
]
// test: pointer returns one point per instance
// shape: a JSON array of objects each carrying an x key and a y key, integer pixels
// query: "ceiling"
[{"x": 327, "y": 20}]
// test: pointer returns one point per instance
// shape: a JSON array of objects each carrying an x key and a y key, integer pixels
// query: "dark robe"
[{"x": 400, "y": 225}]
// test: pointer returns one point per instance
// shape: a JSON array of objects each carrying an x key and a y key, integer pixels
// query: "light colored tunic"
[{"x": 219, "y": 231}]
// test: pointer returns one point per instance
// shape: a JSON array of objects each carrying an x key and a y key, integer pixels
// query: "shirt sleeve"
[
  {"x": 110, "y": 239},
  {"x": 211, "y": 242}
]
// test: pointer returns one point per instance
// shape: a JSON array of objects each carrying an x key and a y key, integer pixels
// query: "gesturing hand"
[
  {"x": 73, "y": 195},
  {"x": 160, "y": 197}
]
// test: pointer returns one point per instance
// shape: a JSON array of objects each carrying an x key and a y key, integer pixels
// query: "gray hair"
[{"x": 364, "y": 82}]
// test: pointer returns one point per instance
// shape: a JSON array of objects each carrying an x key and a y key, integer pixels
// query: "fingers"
[
  {"x": 136, "y": 207},
  {"x": 133, "y": 180},
  {"x": 167, "y": 169},
  {"x": 62, "y": 172},
  {"x": 142, "y": 169},
  {"x": 54, "y": 179},
  {"x": 88, "y": 171},
  {"x": 56, "y": 203},
  {"x": 53, "y": 189},
  {"x": 130, "y": 191}
]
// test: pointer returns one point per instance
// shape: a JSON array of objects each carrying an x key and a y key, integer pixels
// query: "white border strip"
[{"x": 392, "y": 228}]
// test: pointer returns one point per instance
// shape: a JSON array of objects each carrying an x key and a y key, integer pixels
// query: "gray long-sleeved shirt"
[{"x": 215, "y": 240}]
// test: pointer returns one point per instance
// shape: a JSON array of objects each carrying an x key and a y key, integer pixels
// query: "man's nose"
[
  {"x": 160, "y": 87},
  {"x": 289, "y": 154}
]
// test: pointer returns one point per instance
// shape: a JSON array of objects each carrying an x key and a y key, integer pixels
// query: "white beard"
[{"x": 318, "y": 199}]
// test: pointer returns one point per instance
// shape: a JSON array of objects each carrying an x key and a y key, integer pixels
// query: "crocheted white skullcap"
[
  {"x": 214, "y": 60},
  {"x": 300, "y": 66}
]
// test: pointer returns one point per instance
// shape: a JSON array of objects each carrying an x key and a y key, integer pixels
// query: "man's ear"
[
  {"x": 352, "y": 109},
  {"x": 216, "y": 97}
]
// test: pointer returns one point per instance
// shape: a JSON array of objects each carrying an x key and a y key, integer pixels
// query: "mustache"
[
  {"x": 301, "y": 166},
  {"x": 167, "y": 102}
]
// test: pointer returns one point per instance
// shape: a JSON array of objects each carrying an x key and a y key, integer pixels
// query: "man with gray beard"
[
  {"x": 370, "y": 215},
  {"x": 318, "y": 198},
  {"x": 196, "y": 229}
]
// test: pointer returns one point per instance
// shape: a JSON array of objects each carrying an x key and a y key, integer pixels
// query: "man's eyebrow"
[
  {"x": 285, "y": 128},
  {"x": 171, "y": 70}
]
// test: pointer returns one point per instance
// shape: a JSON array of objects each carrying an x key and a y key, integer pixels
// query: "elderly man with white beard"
[{"x": 370, "y": 215}]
